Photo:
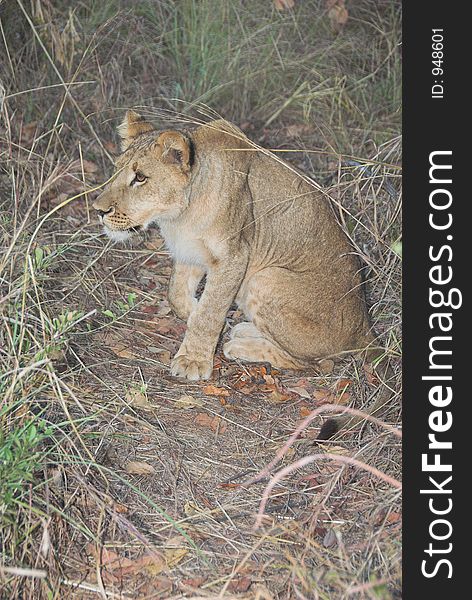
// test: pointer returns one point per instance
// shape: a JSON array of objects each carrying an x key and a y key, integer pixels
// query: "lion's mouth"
[{"x": 121, "y": 235}]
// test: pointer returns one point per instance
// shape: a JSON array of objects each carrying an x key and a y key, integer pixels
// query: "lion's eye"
[{"x": 139, "y": 178}]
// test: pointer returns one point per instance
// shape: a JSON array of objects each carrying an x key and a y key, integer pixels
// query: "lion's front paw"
[{"x": 191, "y": 367}]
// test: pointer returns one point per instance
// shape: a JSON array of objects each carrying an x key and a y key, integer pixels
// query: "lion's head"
[{"x": 150, "y": 181}]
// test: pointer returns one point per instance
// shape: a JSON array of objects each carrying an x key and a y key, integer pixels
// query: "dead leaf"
[
  {"x": 88, "y": 166},
  {"x": 111, "y": 147},
  {"x": 305, "y": 411},
  {"x": 343, "y": 384},
  {"x": 393, "y": 517},
  {"x": 156, "y": 587},
  {"x": 330, "y": 539},
  {"x": 135, "y": 467},
  {"x": 390, "y": 519},
  {"x": 322, "y": 396},
  {"x": 138, "y": 398},
  {"x": 334, "y": 450},
  {"x": 300, "y": 391},
  {"x": 260, "y": 592},
  {"x": 165, "y": 357},
  {"x": 215, "y": 423},
  {"x": 343, "y": 399},
  {"x": 122, "y": 350},
  {"x": 371, "y": 375},
  {"x": 194, "y": 582},
  {"x": 212, "y": 390},
  {"x": 150, "y": 309},
  {"x": 192, "y": 508},
  {"x": 277, "y": 396},
  {"x": 174, "y": 551},
  {"x": 240, "y": 585},
  {"x": 120, "y": 508},
  {"x": 229, "y": 486},
  {"x": 155, "y": 244},
  {"x": 188, "y": 402},
  {"x": 118, "y": 566},
  {"x": 116, "y": 344},
  {"x": 337, "y": 13},
  {"x": 153, "y": 564},
  {"x": 107, "y": 557},
  {"x": 298, "y": 130},
  {"x": 284, "y": 4},
  {"x": 28, "y": 132}
]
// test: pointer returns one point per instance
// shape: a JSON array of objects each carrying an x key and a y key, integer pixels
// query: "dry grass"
[{"x": 113, "y": 483}]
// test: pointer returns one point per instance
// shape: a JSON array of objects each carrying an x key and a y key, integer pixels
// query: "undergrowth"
[{"x": 331, "y": 101}]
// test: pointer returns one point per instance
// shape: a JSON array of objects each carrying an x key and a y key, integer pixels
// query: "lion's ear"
[
  {"x": 132, "y": 126},
  {"x": 176, "y": 148}
]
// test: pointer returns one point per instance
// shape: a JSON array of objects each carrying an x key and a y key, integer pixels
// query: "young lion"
[{"x": 259, "y": 232}]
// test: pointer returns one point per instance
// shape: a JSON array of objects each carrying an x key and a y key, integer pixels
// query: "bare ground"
[{"x": 152, "y": 470}]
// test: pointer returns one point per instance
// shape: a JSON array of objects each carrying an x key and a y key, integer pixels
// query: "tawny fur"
[{"x": 262, "y": 236}]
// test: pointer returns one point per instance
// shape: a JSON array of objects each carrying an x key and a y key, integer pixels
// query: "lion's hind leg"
[{"x": 249, "y": 344}]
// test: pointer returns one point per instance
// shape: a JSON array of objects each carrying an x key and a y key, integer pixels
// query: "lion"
[{"x": 262, "y": 235}]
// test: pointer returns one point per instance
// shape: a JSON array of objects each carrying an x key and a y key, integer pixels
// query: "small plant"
[
  {"x": 57, "y": 328},
  {"x": 20, "y": 457},
  {"x": 45, "y": 256},
  {"x": 122, "y": 307}
]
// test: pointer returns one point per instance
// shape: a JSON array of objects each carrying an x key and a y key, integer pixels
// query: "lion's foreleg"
[{"x": 194, "y": 360}]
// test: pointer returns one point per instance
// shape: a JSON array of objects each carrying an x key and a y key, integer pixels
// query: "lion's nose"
[{"x": 102, "y": 213}]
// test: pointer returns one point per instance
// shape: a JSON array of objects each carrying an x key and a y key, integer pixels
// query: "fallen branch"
[
  {"x": 304, "y": 424},
  {"x": 302, "y": 462}
]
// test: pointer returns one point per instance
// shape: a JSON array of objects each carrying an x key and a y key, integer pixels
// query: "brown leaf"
[
  {"x": 343, "y": 384},
  {"x": 300, "y": 391},
  {"x": 298, "y": 130},
  {"x": 212, "y": 390},
  {"x": 153, "y": 564},
  {"x": 122, "y": 350},
  {"x": 173, "y": 555},
  {"x": 156, "y": 587},
  {"x": 116, "y": 344},
  {"x": 88, "y": 166},
  {"x": 216, "y": 424},
  {"x": 111, "y": 147},
  {"x": 333, "y": 450},
  {"x": 277, "y": 396},
  {"x": 187, "y": 402},
  {"x": 194, "y": 582},
  {"x": 338, "y": 15},
  {"x": 394, "y": 517},
  {"x": 151, "y": 309},
  {"x": 155, "y": 244},
  {"x": 322, "y": 396},
  {"x": 305, "y": 411},
  {"x": 119, "y": 566},
  {"x": 165, "y": 357},
  {"x": 284, "y": 4},
  {"x": 28, "y": 132},
  {"x": 135, "y": 467},
  {"x": 343, "y": 399},
  {"x": 371, "y": 375},
  {"x": 138, "y": 398},
  {"x": 330, "y": 539},
  {"x": 240, "y": 585},
  {"x": 390, "y": 519},
  {"x": 120, "y": 508},
  {"x": 107, "y": 557}
]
